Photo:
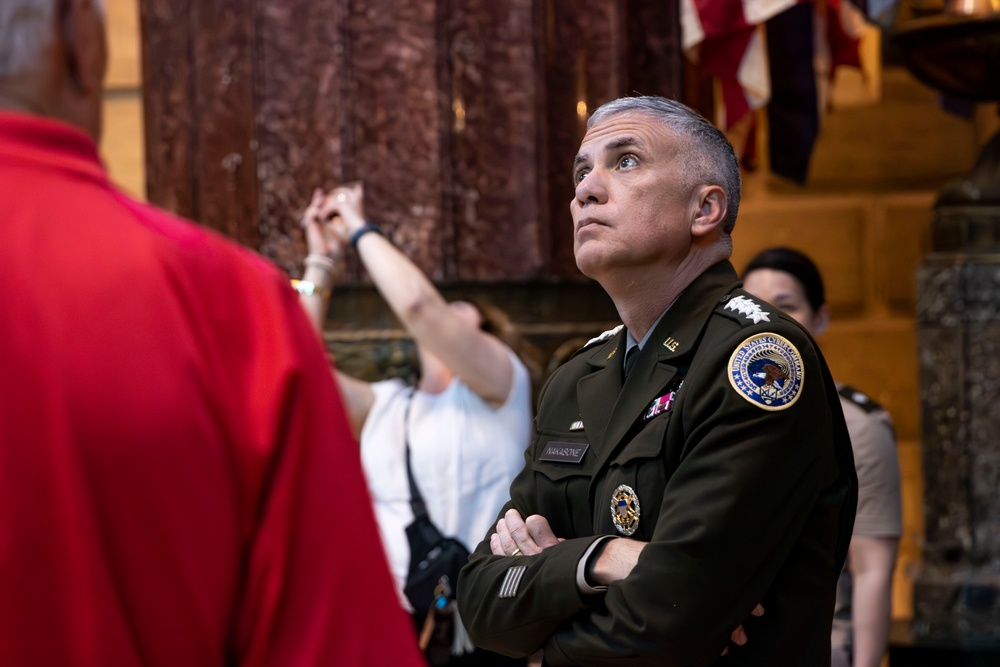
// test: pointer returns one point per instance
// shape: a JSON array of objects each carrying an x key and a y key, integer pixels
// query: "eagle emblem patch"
[{"x": 766, "y": 370}]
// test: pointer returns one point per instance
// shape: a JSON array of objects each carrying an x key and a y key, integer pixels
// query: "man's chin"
[{"x": 589, "y": 263}]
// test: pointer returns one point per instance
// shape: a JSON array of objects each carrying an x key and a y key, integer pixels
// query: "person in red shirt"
[{"x": 178, "y": 481}]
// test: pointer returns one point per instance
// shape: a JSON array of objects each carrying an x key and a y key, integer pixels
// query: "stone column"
[{"x": 957, "y": 595}]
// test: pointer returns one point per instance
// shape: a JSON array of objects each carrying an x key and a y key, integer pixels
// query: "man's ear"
[
  {"x": 712, "y": 207},
  {"x": 86, "y": 47}
]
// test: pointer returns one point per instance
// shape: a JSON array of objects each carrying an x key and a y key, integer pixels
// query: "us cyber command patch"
[{"x": 766, "y": 370}]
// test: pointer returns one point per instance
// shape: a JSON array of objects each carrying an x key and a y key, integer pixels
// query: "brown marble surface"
[
  {"x": 496, "y": 95},
  {"x": 225, "y": 169},
  {"x": 462, "y": 117},
  {"x": 167, "y": 72},
  {"x": 302, "y": 79}
]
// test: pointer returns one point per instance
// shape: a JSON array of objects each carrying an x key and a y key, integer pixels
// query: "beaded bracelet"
[
  {"x": 361, "y": 231},
  {"x": 323, "y": 262}
]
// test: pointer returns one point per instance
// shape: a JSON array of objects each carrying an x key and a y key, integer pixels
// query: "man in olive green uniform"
[{"x": 686, "y": 466}]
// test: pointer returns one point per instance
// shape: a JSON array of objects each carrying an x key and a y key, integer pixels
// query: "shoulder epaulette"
[
  {"x": 743, "y": 309},
  {"x": 603, "y": 337},
  {"x": 595, "y": 340},
  {"x": 859, "y": 399}
]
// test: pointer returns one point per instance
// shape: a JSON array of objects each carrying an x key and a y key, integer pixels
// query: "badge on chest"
[{"x": 625, "y": 510}]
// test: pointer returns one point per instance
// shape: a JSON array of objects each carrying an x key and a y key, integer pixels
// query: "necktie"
[{"x": 630, "y": 357}]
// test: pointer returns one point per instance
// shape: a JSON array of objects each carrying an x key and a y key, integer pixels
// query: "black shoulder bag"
[{"x": 435, "y": 561}]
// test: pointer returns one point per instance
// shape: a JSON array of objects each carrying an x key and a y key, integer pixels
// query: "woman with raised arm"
[{"x": 467, "y": 420}]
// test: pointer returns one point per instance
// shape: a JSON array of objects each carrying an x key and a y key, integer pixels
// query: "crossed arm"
[{"x": 612, "y": 560}]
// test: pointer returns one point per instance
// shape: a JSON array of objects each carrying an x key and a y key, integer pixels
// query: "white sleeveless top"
[{"x": 464, "y": 456}]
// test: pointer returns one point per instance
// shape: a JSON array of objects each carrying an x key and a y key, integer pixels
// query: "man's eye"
[
  {"x": 580, "y": 175},
  {"x": 627, "y": 162}
]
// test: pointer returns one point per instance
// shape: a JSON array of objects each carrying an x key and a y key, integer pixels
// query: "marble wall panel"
[
  {"x": 497, "y": 189},
  {"x": 395, "y": 125},
  {"x": 948, "y": 527},
  {"x": 945, "y": 417},
  {"x": 585, "y": 66},
  {"x": 462, "y": 118},
  {"x": 167, "y": 75},
  {"x": 982, "y": 381},
  {"x": 654, "y": 62},
  {"x": 939, "y": 283},
  {"x": 225, "y": 166},
  {"x": 302, "y": 81}
]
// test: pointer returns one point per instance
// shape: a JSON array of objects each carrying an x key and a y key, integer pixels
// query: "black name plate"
[{"x": 564, "y": 452}]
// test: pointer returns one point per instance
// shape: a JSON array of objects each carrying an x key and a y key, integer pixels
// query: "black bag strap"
[{"x": 416, "y": 500}]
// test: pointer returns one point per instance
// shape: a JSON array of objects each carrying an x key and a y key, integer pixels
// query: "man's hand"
[
  {"x": 516, "y": 536},
  {"x": 616, "y": 560},
  {"x": 739, "y": 636}
]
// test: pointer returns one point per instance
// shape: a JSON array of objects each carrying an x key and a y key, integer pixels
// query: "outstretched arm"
[
  {"x": 323, "y": 266},
  {"x": 480, "y": 360}
]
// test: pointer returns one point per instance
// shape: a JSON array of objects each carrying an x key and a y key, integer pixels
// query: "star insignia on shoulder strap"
[{"x": 749, "y": 308}]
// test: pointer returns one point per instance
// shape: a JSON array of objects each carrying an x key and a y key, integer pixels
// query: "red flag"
[{"x": 791, "y": 69}]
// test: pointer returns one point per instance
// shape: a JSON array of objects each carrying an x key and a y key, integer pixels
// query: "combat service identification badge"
[
  {"x": 766, "y": 370},
  {"x": 625, "y": 509}
]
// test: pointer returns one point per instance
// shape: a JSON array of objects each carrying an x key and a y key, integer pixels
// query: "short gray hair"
[
  {"x": 25, "y": 32},
  {"x": 713, "y": 158}
]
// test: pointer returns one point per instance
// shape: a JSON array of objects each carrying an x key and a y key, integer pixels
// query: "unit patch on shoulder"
[
  {"x": 752, "y": 310},
  {"x": 767, "y": 370}
]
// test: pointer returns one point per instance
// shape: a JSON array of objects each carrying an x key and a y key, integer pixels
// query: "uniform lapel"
[
  {"x": 596, "y": 392},
  {"x": 674, "y": 338}
]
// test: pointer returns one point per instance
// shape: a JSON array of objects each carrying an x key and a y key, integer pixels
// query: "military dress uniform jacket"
[{"x": 741, "y": 501}]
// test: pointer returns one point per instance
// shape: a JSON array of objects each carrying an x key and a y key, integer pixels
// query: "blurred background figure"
[
  {"x": 173, "y": 457},
  {"x": 468, "y": 419},
  {"x": 790, "y": 280}
]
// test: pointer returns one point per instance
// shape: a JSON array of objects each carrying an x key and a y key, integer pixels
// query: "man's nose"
[{"x": 591, "y": 190}]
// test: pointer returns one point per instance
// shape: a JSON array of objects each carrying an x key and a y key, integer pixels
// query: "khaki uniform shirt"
[
  {"x": 741, "y": 502},
  {"x": 880, "y": 513}
]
